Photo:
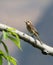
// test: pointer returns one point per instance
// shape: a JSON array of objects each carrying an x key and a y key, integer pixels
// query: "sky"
[
  {"x": 19, "y": 11},
  {"x": 40, "y": 12}
]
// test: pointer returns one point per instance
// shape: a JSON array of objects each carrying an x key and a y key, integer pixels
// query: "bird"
[{"x": 32, "y": 29}]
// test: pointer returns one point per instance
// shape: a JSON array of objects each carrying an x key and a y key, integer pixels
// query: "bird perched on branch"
[{"x": 32, "y": 29}]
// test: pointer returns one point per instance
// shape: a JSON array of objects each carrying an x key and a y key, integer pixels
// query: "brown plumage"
[{"x": 32, "y": 29}]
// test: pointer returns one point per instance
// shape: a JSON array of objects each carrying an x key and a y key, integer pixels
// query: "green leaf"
[
  {"x": 15, "y": 37},
  {"x": 2, "y": 54},
  {"x": 6, "y": 49},
  {"x": 11, "y": 29},
  {"x": 1, "y": 60},
  {"x": 8, "y": 58},
  {"x": 12, "y": 60},
  {"x": 9, "y": 63},
  {"x": 16, "y": 41},
  {"x": 5, "y": 35}
]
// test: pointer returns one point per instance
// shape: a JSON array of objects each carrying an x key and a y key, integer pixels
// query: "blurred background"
[{"x": 40, "y": 12}]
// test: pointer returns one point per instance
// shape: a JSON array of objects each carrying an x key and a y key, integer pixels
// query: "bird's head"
[{"x": 28, "y": 22}]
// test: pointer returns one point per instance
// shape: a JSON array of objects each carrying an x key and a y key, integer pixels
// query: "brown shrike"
[{"x": 32, "y": 29}]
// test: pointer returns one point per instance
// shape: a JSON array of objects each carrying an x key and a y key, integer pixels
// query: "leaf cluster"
[{"x": 9, "y": 34}]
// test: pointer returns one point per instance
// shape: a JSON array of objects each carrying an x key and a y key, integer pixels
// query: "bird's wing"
[{"x": 35, "y": 30}]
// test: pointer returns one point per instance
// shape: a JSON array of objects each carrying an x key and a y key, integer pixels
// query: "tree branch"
[{"x": 45, "y": 49}]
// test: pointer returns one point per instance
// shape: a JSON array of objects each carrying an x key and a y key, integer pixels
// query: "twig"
[{"x": 45, "y": 49}]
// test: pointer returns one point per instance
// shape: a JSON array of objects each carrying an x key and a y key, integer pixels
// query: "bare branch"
[{"x": 45, "y": 49}]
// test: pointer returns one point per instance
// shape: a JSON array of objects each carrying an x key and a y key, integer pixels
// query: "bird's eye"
[{"x": 28, "y": 21}]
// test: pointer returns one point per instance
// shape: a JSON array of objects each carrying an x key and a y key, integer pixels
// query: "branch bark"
[{"x": 45, "y": 49}]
